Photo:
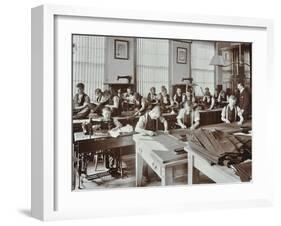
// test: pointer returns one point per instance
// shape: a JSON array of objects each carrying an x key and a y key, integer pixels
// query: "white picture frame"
[{"x": 51, "y": 194}]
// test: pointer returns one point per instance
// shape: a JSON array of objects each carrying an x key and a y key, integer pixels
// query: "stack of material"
[
  {"x": 219, "y": 147},
  {"x": 244, "y": 170}
]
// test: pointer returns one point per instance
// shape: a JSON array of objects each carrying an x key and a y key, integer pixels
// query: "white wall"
[
  {"x": 178, "y": 71},
  {"x": 115, "y": 67}
]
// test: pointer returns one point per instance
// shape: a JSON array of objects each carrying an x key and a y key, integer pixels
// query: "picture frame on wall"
[
  {"x": 54, "y": 28},
  {"x": 121, "y": 49},
  {"x": 181, "y": 55}
]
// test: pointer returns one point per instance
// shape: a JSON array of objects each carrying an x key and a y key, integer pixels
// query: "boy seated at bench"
[
  {"x": 141, "y": 104},
  {"x": 114, "y": 103},
  {"x": 147, "y": 122},
  {"x": 208, "y": 100},
  {"x": 99, "y": 102},
  {"x": 105, "y": 124},
  {"x": 232, "y": 113},
  {"x": 81, "y": 102},
  {"x": 179, "y": 98},
  {"x": 189, "y": 116},
  {"x": 128, "y": 100}
]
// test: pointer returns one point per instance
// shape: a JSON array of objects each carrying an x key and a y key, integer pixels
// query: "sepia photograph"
[{"x": 170, "y": 112}]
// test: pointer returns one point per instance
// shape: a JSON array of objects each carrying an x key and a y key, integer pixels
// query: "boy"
[
  {"x": 81, "y": 102},
  {"x": 99, "y": 102},
  {"x": 208, "y": 100},
  {"x": 147, "y": 122},
  {"x": 147, "y": 126},
  {"x": 152, "y": 96},
  {"x": 188, "y": 116},
  {"x": 165, "y": 100},
  {"x": 231, "y": 112},
  {"x": 179, "y": 98},
  {"x": 128, "y": 100},
  {"x": 114, "y": 103}
]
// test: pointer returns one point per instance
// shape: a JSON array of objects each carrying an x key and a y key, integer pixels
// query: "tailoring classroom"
[{"x": 156, "y": 112}]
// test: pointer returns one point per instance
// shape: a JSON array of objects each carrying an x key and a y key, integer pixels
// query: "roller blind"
[
  {"x": 202, "y": 72},
  {"x": 152, "y": 64},
  {"x": 88, "y": 62}
]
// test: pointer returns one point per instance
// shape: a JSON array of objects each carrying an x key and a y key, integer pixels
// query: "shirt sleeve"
[
  {"x": 223, "y": 112},
  {"x": 75, "y": 101},
  {"x": 162, "y": 119},
  {"x": 140, "y": 123},
  {"x": 117, "y": 123},
  {"x": 196, "y": 116},
  {"x": 181, "y": 114},
  {"x": 239, "y": 111},
  {"x": 87, "y": 99}
]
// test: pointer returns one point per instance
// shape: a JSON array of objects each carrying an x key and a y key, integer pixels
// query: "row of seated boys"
[{"x": 133, "y": 102}]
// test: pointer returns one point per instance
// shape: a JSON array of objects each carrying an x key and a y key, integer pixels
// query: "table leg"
[
  {"x": 120, "y": 162},
  {"x": 167, "y": 178},
  {"x": 139, "y": 168},
  {"x": 192, "y": 173}
]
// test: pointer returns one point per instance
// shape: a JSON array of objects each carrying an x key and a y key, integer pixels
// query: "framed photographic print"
[
  {"x": 181, "y": 55},
  {"x": 132, "y": 131},
  {"x": 121, "y": 49}
]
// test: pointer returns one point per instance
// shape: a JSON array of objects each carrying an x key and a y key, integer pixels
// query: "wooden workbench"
[
  {"x": 197, "y": 163},
  {"x": 158, "y": 153}
]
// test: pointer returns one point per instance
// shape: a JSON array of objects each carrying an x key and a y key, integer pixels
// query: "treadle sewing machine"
[{"x": 97, "y": 143}]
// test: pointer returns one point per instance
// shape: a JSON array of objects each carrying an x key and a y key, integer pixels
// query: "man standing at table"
[{"x": 244, "y": 100}]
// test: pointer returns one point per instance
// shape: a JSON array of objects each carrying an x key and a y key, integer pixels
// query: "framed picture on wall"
[
  {"x": 181, "y": 55},
  {"x": 121, "y": 49}
]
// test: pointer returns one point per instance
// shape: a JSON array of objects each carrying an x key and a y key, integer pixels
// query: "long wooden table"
[
  {"x": 198, "y": 163},
  {"x": 158, "y": 153}
]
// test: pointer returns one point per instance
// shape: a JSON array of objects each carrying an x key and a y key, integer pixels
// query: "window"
[
  {"x": 152, "y": 64},
  {"x": 88, "y": 62},
  {"x": 202, "y": 72}
]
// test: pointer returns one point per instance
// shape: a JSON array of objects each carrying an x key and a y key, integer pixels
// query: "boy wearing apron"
[
  {"x": 188, "y": 117},
  {"x": 232, "y": 113}
]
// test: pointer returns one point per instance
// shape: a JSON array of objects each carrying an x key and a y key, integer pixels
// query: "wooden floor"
[{"x": 129, "y": 180}]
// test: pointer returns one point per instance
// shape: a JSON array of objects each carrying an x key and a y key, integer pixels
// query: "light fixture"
[{"x": 217, "y": 60}]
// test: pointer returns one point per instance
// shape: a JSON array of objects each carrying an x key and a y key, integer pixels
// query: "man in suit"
[{"x": 244, "y": 100}]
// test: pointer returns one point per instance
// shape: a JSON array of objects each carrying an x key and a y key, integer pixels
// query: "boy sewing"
[
  {"x": 147, "y": 122},
  {"x": 231, "y": 112},
  {"x": 208, "y": 100},
  {"x": 179, "y": 98},
  {"x": 188, "y": 116}
]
